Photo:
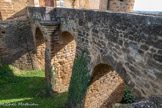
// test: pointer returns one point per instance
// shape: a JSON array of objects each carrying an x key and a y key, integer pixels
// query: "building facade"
[{"x": 10, "y": 7}]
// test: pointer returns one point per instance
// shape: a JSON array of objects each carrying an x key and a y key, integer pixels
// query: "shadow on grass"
[{"x": 27, "y": 89}]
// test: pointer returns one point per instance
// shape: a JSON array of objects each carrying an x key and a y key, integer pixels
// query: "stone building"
[
  {"x": 113, "y": 5},
  {"x": 121, "y": 5},
  {"x": 11, "y": 7}
]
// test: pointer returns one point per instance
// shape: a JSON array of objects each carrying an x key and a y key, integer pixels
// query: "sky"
[{"x": 148, "y": 5}]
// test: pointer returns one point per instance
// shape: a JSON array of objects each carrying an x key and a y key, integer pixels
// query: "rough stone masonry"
[{"x": 130, "y": 44}]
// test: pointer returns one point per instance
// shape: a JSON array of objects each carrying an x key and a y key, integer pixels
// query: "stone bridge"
[{"x": 92, "y": 50}]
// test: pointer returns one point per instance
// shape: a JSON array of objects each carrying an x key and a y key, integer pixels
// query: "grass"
[{"x": 26, "y": 89}]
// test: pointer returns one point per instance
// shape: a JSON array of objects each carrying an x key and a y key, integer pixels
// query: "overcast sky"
[{"x": 148, "y": 5}]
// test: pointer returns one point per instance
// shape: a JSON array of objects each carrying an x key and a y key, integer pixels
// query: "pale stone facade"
[
  {"x": 113, "y": 5},
  {"x": 11, "y": 7},
  {"x": 121, "y": 5},
  {"x": 6, "y": 9}
]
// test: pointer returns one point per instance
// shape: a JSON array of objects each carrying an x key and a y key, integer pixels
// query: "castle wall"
[
  {"x": 6, "y": 9},
  {"x": 121, "y": 5},
  {"x": 45, "y": 3},
  {"x": 87, "y": 4},
  {"x": 68, "y": 4},
  {"x": 103, "y": 4},
  {"x": 11, "y": 7},
  {"x": 93, "y": 4},
  {"x": 113, "y": 5}
]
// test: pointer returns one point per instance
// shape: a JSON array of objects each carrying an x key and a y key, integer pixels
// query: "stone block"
[{"x": 157, "y": 57}]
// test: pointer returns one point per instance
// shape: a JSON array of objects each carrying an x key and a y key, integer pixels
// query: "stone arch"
[
  {"x": 106, "y": 87},
  {"x": 124, "y": 73},
  {"x": 36, "y": 26},
  {"x": 40, "y": 48},
  {"x": 62, "y": 59},
  {"x": 66, "y": 37}
]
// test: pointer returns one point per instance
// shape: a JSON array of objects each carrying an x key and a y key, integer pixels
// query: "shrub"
[{"x": 128, "y": 97}]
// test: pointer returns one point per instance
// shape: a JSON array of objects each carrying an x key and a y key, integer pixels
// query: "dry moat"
[{"x": 80, "y": 55}]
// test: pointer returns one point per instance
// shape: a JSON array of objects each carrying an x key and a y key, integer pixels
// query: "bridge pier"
[{"x": 59, "y": 49}]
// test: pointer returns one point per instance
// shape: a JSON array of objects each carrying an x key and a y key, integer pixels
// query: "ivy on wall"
[{"x": 79, "y": 82}]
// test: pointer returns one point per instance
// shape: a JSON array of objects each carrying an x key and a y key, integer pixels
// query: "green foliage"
[
  {"x": 27, "y": 87},
  {"x": 73, "y": 28},
  {"x": 128, "y": 97},
  {"x": 79, "y": 82}
]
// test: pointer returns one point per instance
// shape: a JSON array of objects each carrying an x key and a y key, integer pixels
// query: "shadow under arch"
[
  {"x": 66, "y": 37},
  {"x": 40, "y": 48},
  {"x": 106, "y": 87},
  {"x": 62, "y": 58}
]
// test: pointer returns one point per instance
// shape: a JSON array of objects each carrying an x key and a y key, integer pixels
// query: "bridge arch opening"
[
  {"x": 63, "y": 54},
  {"x": 106, "y": 87},
  {"x": 66, "y": 37},
  {"x": 40, "y": 48}
]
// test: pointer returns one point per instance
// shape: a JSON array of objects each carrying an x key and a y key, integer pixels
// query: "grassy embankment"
[{"x": 26, "y": 87}]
